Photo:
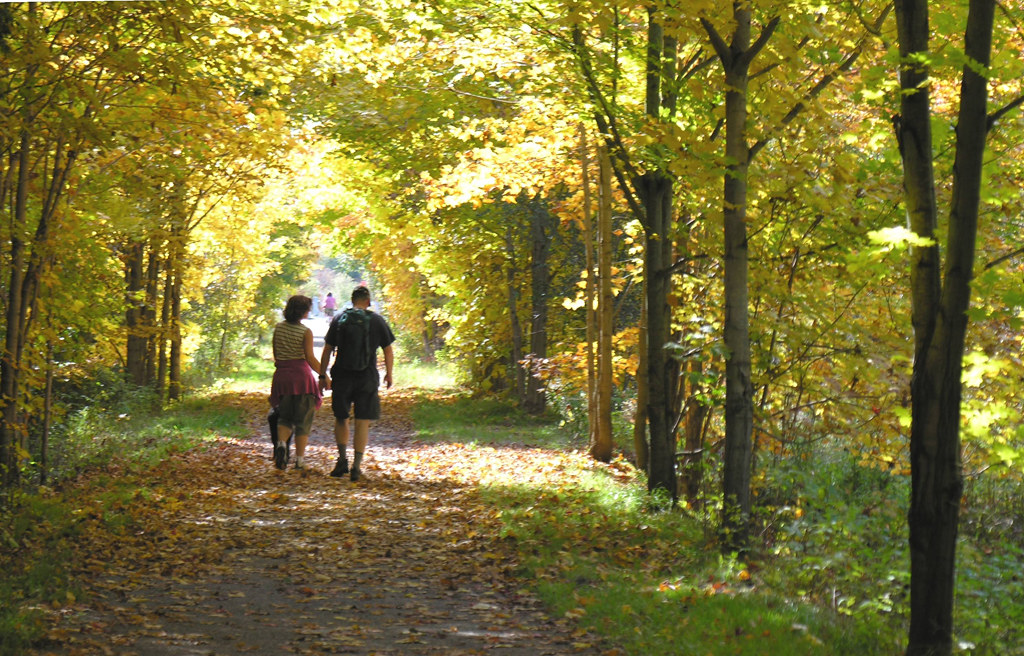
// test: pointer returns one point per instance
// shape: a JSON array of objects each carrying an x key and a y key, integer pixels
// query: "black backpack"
[{"x": 353, "y": 338}]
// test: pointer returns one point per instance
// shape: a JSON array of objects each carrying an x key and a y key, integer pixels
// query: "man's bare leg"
[{"x": 362, "y": 436}]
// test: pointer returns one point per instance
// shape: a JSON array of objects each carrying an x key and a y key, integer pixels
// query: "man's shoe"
[
  {"x": 281, "y": 457},
  {"x": 340, "y": 468},
  {"x": 355, "y": 474}
]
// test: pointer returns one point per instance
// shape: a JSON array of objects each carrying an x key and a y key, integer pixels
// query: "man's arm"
[{"x": 389, "y": 363}]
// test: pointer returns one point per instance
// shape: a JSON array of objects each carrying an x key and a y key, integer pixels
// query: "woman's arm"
[{"x": 307, "y": 345}]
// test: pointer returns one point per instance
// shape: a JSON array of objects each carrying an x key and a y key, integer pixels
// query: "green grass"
[
  {"x": 652, "y": 584},
  {"x": 427, "y": 376},
  {"x": 456, "y": 416},
  {"x": 251, "y": 372}
]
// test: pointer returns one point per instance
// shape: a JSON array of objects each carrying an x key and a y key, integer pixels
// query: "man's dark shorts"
[{"x": 358, "y": 390}]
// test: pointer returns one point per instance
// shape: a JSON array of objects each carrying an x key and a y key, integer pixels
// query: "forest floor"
[{"x": 224, "y": 554}]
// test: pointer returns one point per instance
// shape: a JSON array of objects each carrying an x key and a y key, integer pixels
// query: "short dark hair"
[
  {"x": 360, "y": 292},
  {"x": 297, "y": 307}
]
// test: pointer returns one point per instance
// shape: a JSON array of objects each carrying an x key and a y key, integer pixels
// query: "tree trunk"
[
  {"x": 590, "y": 297},
  {"x": 163, "y": 334},
  {"x": 44, "y": 446},
  {"x": 135, "y": 350},
  {"x": 649, "y": 196},
  {"x": 9, "y": 365},
  {"x": 515, "y": 326},
  {"x": 174, "y": 374},
  {"x": 739, "y": 393},
  {"x": 604, "y": 441},
  {"x": 655, "y": 191},
  {"x": 694, "y": 418},
  {"x": 940, "y": 316},
  {"x": 641, "y": 445},
  {"x": 150, "y": 315},
  {"x": 541, "y": 234},
  {"x": 736, "y": 58}
]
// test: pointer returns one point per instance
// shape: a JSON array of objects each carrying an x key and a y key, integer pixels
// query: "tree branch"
[
  {"x": 814, "y": 92},
  {"x": 1003, "y": 111},
  {"x": 762, "y": 41},
  {"x": 605, "y": 118},
  {"x": 717, "y": 42},
  {"x": 1002, "y": 258}
]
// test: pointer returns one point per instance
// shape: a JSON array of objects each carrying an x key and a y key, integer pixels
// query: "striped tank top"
[{"x": 289, "y": 341}]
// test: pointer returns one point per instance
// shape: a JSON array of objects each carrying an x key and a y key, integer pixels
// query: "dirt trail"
[{"x": 230, "y": 556}]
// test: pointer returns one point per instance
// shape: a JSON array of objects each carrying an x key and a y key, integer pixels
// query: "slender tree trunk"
[
  {"x": 640, "y": 439},
  {"x": 149, "y": 314},
  {"x": 590, "y": 296},
  {"x": 650, "y": 197},
  {"x": 694, "y": 419},
  {"x": 12, "y": 357},
  {"x": 427, "y": 337},
  {"x": 135, "y": 350},
  {"x": 44, "y": 447},
  {"x": 940, "y": 315},
  {"x": 736, "y": 58},
  {"x": 174, "y": 386},
  {"x": 655, "y": 190},
  {"x": 739, "y": 393},
  {"x": 604, "y": 441},
  {"x": 163, "y": 334},
  {"x": 541, "y": 231},
  {"x": 515, "y": 326}
]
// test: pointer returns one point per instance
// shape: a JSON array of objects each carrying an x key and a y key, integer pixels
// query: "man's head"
[{"x": 361, "y": 297}]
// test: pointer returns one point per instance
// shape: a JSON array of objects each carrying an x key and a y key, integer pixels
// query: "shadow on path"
[{"x": 232, "y": 556}]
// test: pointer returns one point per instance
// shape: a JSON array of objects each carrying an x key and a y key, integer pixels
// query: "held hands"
[{"x": 325, "y": 383}]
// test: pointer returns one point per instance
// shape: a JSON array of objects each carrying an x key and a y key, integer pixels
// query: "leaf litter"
[{"x": 224, "y": 554}]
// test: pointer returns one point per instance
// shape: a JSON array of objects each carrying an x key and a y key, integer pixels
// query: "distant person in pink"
[{"x": 330, "y": 304}]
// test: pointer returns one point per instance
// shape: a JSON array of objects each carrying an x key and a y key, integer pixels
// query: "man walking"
[{"x": 356, "y": 333}]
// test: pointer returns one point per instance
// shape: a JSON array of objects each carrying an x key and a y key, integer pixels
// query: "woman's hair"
[{"x": 297, "y": 308}]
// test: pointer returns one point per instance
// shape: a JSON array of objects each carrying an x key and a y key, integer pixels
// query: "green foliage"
[
  {"x": 36, "y": 524},
  {"x": 114, "y": 421},
  {"x": 248, "y": 373},
  {"x": 837, "y": 531},
  {"x": 989, "y": 613}
]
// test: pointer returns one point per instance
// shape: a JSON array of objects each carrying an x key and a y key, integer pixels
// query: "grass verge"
[
  {"x": 595, "y": 550},
  {"x": 453, "y": 415}
]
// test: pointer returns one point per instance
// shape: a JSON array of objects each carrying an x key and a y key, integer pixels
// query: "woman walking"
[{"x": 295, "y": 391}]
